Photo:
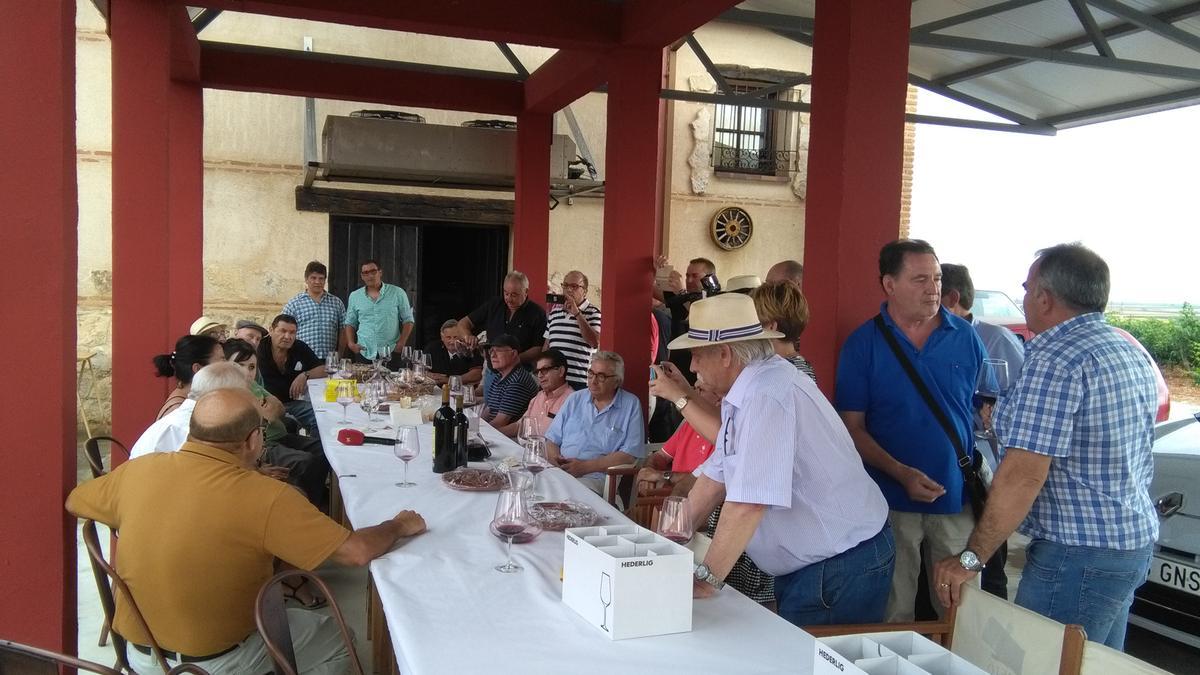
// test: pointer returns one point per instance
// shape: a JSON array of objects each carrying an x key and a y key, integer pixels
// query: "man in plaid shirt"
[
  {"x": 1078, "y": 428},
  {"x": 318, "y": 314}
]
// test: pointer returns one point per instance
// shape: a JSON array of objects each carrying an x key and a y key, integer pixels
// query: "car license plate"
[{"x": 1175, "y": 575}]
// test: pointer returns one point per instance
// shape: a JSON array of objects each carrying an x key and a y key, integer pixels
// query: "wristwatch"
[
  {"x": 667, "y": 476},
  {"x": 704, "y": 574},
  {"x": 682, "y": 402},
  {"x": 970, "y": 561}
]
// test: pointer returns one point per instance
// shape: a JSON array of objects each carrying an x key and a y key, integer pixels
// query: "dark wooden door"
[{"x": 447, "y": 269}]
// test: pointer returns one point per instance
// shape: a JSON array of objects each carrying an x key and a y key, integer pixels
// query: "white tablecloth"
[{"x": 448, "y": 611}]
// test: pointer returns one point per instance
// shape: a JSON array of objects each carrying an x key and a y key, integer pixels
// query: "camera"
[
  {"x": 555, "y": 299},
  {"x": 710, "y": 284}
]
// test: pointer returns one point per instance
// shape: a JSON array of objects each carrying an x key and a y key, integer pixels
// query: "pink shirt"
[
  {"x": 687, "y": 449},
  {"x": 544, "y": 405}
]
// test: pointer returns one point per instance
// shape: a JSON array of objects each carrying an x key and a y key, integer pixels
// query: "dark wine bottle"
[
  {"x": 462, "y": 430},
  {"x": 445, "y": 458}
]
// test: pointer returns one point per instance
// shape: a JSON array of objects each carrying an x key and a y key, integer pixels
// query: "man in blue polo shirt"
[
  {"x": 598, "y": 427},
  {"x": 904, "y": 447}
]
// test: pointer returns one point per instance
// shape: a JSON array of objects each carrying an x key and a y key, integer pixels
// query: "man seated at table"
[
  {"x": 282, "y": 459},
  {"x": 598, "y": 427},
  {"x": 551, "y": 374},
  {"x": 510, "y": 388},
  {"x": 200, "y": 531},
  {"x": 450, "y": 356},
  {"x": 286, "y": 365},
  {"x": 671, "y": 466}
]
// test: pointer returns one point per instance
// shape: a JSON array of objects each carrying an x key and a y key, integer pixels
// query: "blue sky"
[{"x": 1129, "y": 189}]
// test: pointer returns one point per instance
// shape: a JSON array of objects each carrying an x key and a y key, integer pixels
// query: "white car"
[{"x": 1169, "y": 602}]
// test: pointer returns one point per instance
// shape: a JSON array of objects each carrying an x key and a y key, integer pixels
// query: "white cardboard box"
[
  {"x": 628, "y": 581},
  {"x": 888, "y": 653}
]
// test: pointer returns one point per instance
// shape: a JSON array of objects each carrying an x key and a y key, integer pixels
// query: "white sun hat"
[
  {"x": 721, "y": 319},
  {"x": 744, "y": 282}
]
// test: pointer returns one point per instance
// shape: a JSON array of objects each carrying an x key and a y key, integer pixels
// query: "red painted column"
[
  {"x": 855, "y": 165},
  {"x": 531, "y": 210},
  {"x": 157, "y": 189},
  {"x": 38, "y": 234},
  {"x": 631, "y": 207}
]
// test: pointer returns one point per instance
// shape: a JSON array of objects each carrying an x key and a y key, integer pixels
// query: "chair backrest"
[
  {"x": 937, "y": 631},
  {"x": 271, "y": 616},
  {"x": 95, "y": 459},
  {"x": 107, "y": 577},
  {"x": 645, "y": 510},
  {"x": 998, "y": 636},
  {"x": 1101, "y": 660},
  {"x": 19, "y": 659}
]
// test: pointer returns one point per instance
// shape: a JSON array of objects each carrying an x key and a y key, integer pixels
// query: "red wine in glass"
[
  {"x": 510, "y": 529},
  {"x": 678, "y": 538}
]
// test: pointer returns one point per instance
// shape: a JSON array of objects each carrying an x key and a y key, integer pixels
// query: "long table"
[{"x": 448, "y": 611}]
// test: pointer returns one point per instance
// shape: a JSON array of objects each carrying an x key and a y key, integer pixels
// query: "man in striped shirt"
[
  {"x": 574, "y": 328},
  {"x": 507, "y": 394}
]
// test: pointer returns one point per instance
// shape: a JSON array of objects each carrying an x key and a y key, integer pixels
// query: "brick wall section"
[{"x": 910, "y": 146}]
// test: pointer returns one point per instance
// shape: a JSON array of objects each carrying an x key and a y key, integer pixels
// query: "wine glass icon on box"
[{"x": 605, "y": 597}]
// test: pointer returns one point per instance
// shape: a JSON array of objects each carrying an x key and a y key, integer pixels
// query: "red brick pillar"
[
  {"x": 531, "y": 217},
  {"x": 855, "y": 166},
  {"x": 631, "y": 208},
  {"x": 38, "y": 236},
  {"x": 157, "y": 226}
]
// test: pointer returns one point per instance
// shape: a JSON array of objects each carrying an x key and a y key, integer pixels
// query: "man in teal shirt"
[{"x": 379, "y": 317}]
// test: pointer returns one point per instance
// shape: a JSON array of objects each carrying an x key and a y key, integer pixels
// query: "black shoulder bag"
[{"x": 972, "y": 482}]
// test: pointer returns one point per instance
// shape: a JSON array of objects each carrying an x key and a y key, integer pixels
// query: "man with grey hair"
[
  {"x": 819, "y": 528},
  {"x": 513, "y": 313},
  {"x": 305, "y": 470},
  {"x": 598, "y": 427},
  {"x": 1078, "y": 427}
]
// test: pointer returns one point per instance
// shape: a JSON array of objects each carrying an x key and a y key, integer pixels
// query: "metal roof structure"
[{"x": 1037, "y": 65}]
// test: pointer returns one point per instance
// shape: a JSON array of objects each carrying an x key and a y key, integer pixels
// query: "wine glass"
[
  {"x": 510, "y": 520},
  {"x": 468, "y": 395},
  {"x": 991, "y": 384},
  {"x": 371, "y": 397},
  {"x": 344, "y": 369},
  {"x": 530, "y": 428},
  {"x": 331, "y": 364},
  {"x": 535, "y": 462},
  {"x": 455, "y": 385},
  {"x": 407, "y": 448},
  {"x": 345, "y": 396},
  {"x": 605, "y": 597},
  {"x": 675, "y": 522}
]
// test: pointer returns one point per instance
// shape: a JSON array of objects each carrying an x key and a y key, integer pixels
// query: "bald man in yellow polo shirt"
[{"x": 200, "y": 532}]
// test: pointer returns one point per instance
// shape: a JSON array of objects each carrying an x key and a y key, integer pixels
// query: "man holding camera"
[
  {"x": 701, "y": 279},
  {"x": 573, "y": 328}
]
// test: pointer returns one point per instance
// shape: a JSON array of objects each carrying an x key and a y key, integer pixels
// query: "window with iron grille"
[{"x": 748, "y": 139}]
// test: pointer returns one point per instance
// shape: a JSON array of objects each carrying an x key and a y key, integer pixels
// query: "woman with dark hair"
[{"x": 192, "y": 352}]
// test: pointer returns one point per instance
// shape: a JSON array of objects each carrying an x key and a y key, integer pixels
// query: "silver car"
[{"x": 1169, "y": 602}]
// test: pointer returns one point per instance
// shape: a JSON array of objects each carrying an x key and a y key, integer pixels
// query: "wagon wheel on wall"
[{"x": 731, "y": 228}]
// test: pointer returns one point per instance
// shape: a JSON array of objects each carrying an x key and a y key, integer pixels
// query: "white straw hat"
[
  {"x": 204, "y": 324},
  {"x": 744, "y": 282},
  {"x": 729, "y": 317}
]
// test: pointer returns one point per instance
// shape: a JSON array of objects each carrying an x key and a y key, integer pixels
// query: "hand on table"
[
  {"x": 701, "y": 589},
  {"x": 948, "y": 578},
  {"x": 411, "y": 523},
  {"x": 299, "y": 384},
  {"x": 921, "y": 488}
]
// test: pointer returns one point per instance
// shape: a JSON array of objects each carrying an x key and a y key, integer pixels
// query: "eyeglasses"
[
  {"x": 367, "y": 273},
  {"x": 599, "y": 377},
  {"x": 572, "y": 287},
  {"x": 541, "y": 371}
]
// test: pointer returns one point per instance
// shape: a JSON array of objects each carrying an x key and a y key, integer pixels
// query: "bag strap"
[{"x": 964, "y": 460}]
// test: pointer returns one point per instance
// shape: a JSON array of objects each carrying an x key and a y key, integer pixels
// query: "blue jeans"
[
  {"x": 302, "y": 410},
  {"x": 851, "y": 587},
  {"x": 1092, "y": 587}
]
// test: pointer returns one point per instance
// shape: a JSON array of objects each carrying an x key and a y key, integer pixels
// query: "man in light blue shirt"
[
  {"x": 598, "y": 427},
  {"x": 379, "y": 317}
]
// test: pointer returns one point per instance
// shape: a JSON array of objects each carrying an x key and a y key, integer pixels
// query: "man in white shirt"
[
  {"x": 821, "y": 529},
  {"x": 171, "y": 431}
]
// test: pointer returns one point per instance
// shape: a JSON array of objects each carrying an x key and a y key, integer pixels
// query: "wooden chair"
[
  {"x": 19, "y": 659},
  {"x": 1097, "y": 659},
  {"x": 95, "y": 458},
  {"x": 645, "y": 510},
  {"x": 619, "y": 480},
  {"x": 106, "y": 577},
  {"x": 271, "y": 617},
  {"x": 991, "y": 633}
]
